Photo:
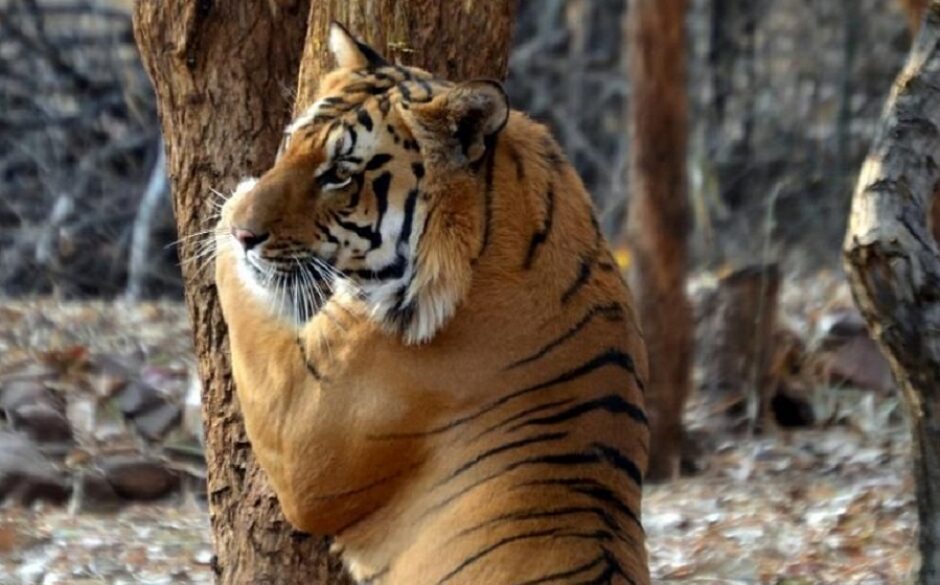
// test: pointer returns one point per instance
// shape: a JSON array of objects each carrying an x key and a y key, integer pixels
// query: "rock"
[
  {"x": 93, "y": 493},
  {"x": 81, "y": 411},
  {"x": 110, "y": 374},
  {"x": 22, "y": 392},
  {"x": 842, "y": 324},
  {"x": 37, "y": 411},
  {"x": 42, "y": 423},
  {"x": 846, "y": 355},
  {"x": 156, "y": 423},
  {"x": 856, "y": 362},
  {"x": 138, "y": 397},
  {"x": 26, "y": 475},
  {"x": 137, "y": 477}
]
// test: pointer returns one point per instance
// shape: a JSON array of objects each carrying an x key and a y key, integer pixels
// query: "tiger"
[{"x": 435, "y": 353}]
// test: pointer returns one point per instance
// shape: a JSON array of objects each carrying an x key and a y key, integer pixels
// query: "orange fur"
[{"x": 474, "y": 451}]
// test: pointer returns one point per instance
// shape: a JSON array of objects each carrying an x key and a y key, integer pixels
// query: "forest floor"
[{"x": 830, "y": 505}]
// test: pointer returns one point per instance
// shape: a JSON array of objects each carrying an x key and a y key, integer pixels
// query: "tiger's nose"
[{"x": 247, "y": 238}]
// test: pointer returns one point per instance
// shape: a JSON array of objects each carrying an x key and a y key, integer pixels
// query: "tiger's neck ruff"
[{"x": 435, "y": 355}]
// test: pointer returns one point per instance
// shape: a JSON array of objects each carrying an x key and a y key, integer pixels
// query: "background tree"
[
  {"x": 224, "y": 73},
  {"x": 894, "y": 267},
  {"x": 915, "y": 13},
  {"x": 659, "y": 219}
]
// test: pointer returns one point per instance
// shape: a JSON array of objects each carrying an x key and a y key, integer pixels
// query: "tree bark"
[
  {"x": 659, "y": 220},
  {"x": 224, "y": 73},
  {"x": 894, "y": 268},
  {"x": 453, "y": 40},
  {"x": 915, "y": 13},
  {"x": 739, "y": 325}
]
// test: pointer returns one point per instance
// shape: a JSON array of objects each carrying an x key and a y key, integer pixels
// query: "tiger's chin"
[{"x": 293, "y": 297}]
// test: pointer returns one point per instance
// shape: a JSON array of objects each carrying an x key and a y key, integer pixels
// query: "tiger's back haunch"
[{"x": 435, "y": 354}]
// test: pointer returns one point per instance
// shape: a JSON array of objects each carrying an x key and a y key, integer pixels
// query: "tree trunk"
[
  {"x": 223, "y": 73},
  {"x": 894, "y": 266},
  {"x": 915, "y": 13},
  {"x": 739, "y": 327},
  {"x": 659, "y": 219},
  {"x": 454, "y": 40}
]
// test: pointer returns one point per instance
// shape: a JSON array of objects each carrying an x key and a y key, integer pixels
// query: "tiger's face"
[{"x": 345, "y": 208}]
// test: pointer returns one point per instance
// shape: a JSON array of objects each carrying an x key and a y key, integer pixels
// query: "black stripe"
[
  {"x": 551, "y": 153},
  {"x": 384, "y": 103},
  {"x": 327, "y": 233},
  {"x": 429, "y": 93},
  {"x": 612, "y": 357},
  {"x": 410, "y": 203},
  {"x": 540, "y": 236},
  {"x": 363, "y": 231},
  {"x": 498, "y": 544},
  {"x": 353, "y": 138},
  {"x": 564, "y": 575},
  {"x": 402, "y": 314},
  {"x": 405, "y": 92},
  {"x": 365, "y": 119},
  {"x": 405, "y": 73},
  {"x": 517, "y": 162},
  {"x": 613, "y": 569},
  {"x": 613, "y": 311},
  {"x": 584, "y": 274},
  {"x": 394, "y": 270},
  {"x": 544, "y": 438},
  {"x": 600, "y": 513},
  {"x": 366, "y": 487},
  {"x": 523, "y": 414},
  {"x": 612, "y": 403},
  {"x": 354, "y": 200},
  {"x": 593, "y": 489},
  {"x": 418, "y": 169},
  {"x": 307, "y": 363},
  {"x": 556, "y": 533},
  {"x": 488, "y": 194},
  {"x": 378, "y": 161},
  {"x": 380, "y": 187},
  {"x": 597, "y": 454},
  {"x": 365, "y": 87}
]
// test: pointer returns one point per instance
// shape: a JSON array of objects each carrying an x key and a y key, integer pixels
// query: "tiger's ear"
[
  {"x": 464, "y": 118},
  {"x": 349, "y": 52}
]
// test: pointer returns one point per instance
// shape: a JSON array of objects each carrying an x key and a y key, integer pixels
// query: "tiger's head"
[{"x": 376, "y": 193}]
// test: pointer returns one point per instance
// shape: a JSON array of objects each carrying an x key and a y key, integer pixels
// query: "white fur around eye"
[{"x": 335, "y": 186}]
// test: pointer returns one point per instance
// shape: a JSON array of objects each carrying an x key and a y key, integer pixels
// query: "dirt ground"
[{"x": 830, "y": 505}]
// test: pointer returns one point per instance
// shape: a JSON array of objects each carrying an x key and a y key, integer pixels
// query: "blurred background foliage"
[{"x": 784, "y": 97}]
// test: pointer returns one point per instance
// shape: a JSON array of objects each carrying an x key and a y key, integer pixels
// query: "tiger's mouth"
[{"x": 295, "y": 287}]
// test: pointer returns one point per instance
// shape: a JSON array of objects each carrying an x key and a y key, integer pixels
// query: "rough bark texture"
[
  {"x": 224, "y": 73},
  {"x": 740, "y": 321},
  {"x": 894, "y": 267},
  {"x": 220, "y": 71},
  {"x": 456, "y": 40},
  {"x": 659, "y": 218}
]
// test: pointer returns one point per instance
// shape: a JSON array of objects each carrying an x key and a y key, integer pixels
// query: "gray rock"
[
  {"x": 93, "y": 493},
  {"x": 137, "y": 477},
  {"x": 37, "y": 411},
  {"x": 22, "y": 392},
  {"x": 139, "y": 397},
  {"x": 26, "y": 475},
  {"x": 156, "y": 423},
  {"x": 42, "y": 423}
]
